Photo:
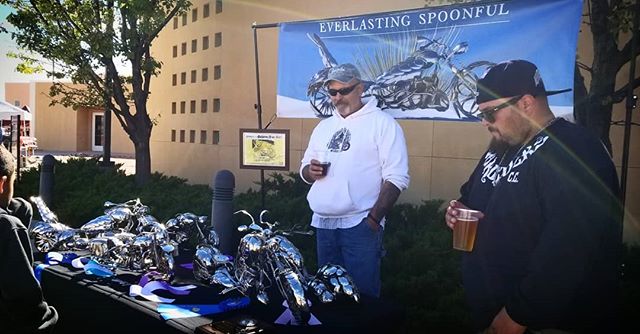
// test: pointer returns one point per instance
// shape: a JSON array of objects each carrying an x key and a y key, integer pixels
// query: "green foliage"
[
  {"x": 420, "y": 271},
  {"x": 81, "y": 187}
]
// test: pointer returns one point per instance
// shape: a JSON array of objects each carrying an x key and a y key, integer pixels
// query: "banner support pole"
[{"x": 258, "y": 105}]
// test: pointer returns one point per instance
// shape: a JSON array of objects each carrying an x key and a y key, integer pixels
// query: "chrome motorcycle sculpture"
[
  {"x": 427, "y": 79},
  {"x": 125, "y": 237},
  {"x": 265, "y": 257}
]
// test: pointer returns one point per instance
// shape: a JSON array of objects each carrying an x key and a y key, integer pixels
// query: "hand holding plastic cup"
[
  {"x": 464, "y": 231},
  {"x": 323, "y": 157}
]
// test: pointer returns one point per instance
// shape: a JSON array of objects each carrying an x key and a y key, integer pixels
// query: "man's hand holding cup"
[{"x": 319, "y": 165}]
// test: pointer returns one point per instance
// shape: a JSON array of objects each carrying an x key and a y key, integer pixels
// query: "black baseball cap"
[{"x": 512, "y": 78}]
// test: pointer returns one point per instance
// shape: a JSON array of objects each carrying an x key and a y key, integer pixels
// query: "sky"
[{"x": 8, "y": 65}]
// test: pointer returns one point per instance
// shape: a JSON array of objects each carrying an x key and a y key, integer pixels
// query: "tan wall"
[
  {"x": 58, "y": 128},
  {"x": 55, "y": 126},
  {"x": 16, "y": 92},
  {"x": 442, "y": 154}
]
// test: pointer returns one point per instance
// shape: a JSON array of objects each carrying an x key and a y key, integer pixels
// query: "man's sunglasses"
[
  {"x": 488, "y": 114},
  {"x": 343, "y": 91}
]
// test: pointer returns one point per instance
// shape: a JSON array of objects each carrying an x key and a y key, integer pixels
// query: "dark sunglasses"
[
  {"x": 488, "y": 114},
  {"x": 342, "y": 91}
]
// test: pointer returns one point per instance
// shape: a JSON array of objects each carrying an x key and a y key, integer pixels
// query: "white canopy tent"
[{"x": 7, "y": 110}]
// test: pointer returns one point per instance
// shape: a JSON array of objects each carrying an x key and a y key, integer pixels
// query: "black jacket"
[
  {"x": 549, "y": 246},
  {"x": 22, "y": 307}
]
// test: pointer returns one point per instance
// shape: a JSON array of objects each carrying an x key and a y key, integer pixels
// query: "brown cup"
[
  {"x": 325, "y": 167},
  {"x": 323, "y": 157},
  {"x": 464, "y": 231}
]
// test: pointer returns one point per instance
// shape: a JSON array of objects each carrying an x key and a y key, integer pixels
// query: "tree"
[
  {"x": 86, "y": 40},
  {"x": 594, "y": 106}
]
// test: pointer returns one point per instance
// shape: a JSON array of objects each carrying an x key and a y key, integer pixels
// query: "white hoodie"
[{"x": 367, "y": 148}]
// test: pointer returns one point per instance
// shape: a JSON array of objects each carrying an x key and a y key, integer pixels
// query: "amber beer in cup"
[
  {"x": 323, "y": 157},
  {"x": 464, "y": 231}
]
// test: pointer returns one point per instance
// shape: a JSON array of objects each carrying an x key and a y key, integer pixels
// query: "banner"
[{"x": 425, "y": 63}]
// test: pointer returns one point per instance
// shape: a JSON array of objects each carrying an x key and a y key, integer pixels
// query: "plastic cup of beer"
[
  {"x": 323, "y": 157},
  {"x": 464, "y": 231}
]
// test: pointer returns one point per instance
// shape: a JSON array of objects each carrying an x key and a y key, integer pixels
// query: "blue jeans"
[{"x": 358, "y": 250}]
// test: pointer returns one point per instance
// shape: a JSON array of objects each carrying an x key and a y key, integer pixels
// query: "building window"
[
  {"x": 204, "y": 105},
  {"x": 16, "y": 103},
  {"x": 183, "y": 78},
  {"x": 174, "y": 79},
  {"x": 183, "y": 50},
  {"x": 205, "y": 42},
  {"x": 183, "y": 106},
  {"x": 205, "y": 74},
  {"x": 205, "y": 10},
  {"x": 218, "y": 6},
  {"x": 175, "y": 51},
  {"x": 193, "y": 106},
  {"x": 173, "y": 135},
  {"x": 182, "y": 133},
  {"x": 194, "y": 74},
  {"x": 216, "y": 105},
  {"x": 174, "y": 107},
  {"x": 194, "y": 15},
  {"x": 217, "y": 72},
  {"x": 194, "y": 45},
  {"x": 184, "y": 19},
  {"x": 192, "y": 136},
  {"x": 175, "y": 23},
  {"x": 203, "y": 136},
  {"x": 218, "y": 39},
  {"x": 216, "y": 137}
]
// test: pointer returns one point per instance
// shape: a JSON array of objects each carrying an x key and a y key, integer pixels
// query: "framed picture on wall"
[{"x": 264, "y": 149}]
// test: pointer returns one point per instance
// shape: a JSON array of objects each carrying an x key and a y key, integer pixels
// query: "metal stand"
[{"x": 258, "y": 105}]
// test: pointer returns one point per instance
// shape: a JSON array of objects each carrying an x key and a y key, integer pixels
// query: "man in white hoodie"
[{"x": 368, "y": 170}]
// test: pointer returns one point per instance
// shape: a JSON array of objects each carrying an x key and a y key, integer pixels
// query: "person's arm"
[
  {"x": 387, "y": 198},
  {"x": 392, "y": 153},
  {"x": 18, "y": 286}
]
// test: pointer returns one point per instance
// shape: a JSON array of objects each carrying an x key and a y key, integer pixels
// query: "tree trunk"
[
  {"x": 580, "y": 95},
  {"x": 143, "y": 162}
]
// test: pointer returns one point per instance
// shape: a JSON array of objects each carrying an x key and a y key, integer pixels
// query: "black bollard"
[
  {"x": 222, "y": 210},
  {"x": 46, "y": 178}
]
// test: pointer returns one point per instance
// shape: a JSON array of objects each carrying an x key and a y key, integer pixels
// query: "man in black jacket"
[
  {"x": 22, "y": 307},
  {"x": 546, "y": 254}
]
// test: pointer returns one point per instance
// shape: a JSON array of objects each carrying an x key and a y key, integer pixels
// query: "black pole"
[
  {"x": 631, "y": 104},
  {"x": 46, "y": 178},
  {"x": 258, "y": 106},
  {"x": 222, "y": 210},
  {"x": 19, "y": 146}
]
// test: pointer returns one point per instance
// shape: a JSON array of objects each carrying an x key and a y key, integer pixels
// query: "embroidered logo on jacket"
[
  {"x": 492, "y": 171},
  {"x": 340, "y": 141}
]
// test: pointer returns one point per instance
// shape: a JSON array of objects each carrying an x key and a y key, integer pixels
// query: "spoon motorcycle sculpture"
[
  {"x": 266, "y": 257},
  {"x": 125, "y": 237}
]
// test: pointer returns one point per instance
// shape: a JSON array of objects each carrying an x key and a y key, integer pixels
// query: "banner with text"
[{"x": 425, "y": 63}]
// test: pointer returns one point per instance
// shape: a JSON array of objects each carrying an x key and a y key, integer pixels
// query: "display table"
[{"x": 90, "y": 304}]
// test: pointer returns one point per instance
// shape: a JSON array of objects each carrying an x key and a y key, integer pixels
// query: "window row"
[
  {"x": 204, "y": 106},
  {"x": 215, "y": 136},
  {"x": 217, "y": 42},
  {"x": 217, "y": 74},
  {"x": 206, "y": 12}
]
